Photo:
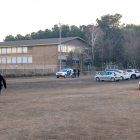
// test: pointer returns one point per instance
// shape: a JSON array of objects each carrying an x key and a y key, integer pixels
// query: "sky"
[{"x": 27, "y": 16}]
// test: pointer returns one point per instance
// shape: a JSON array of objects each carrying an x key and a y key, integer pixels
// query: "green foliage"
[
  {"x": 74, "y": 32},
  {"x": 9, "y": 38},
  {"x": 19, "y": 37}
]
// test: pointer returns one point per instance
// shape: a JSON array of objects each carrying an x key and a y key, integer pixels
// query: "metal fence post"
[
  {"x": 2, "y": 69},
  {"x": 34, "y": 70},
  {"x": 43, "y": 70}
]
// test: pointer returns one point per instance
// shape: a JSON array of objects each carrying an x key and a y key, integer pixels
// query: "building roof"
[{"x": 50, "y": 41}]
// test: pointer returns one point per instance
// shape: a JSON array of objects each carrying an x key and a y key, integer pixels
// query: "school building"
[{"x": 40, "y": 52}]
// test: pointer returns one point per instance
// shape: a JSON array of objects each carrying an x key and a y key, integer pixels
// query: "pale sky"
[{"x": 27, "y": 16}]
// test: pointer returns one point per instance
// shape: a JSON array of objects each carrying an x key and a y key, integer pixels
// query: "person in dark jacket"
[
  {"x": 2, "y": 82},
  {"x": 78, "y": 72},
  {"x": 74, "y": 73}
]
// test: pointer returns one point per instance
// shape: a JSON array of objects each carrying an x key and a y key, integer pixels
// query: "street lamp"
[{"x": 60, "y": 43}]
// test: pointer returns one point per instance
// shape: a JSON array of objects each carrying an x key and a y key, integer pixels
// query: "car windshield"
[{"x": 63, "y": 71}]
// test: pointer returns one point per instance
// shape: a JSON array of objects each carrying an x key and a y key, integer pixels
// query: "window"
[
  {"x": 3, "y": 60},
  {"x": 109, "y": 73},
  {"x": 103, "y": 73},
  {"x": 63, "y": 60},
  {"x": 24, "y": 59},
  {"x": 73, "y": 49},
  {"x": 24, "y": 50},
  {"x": 69, "y": 49},
  {"x": 13, "y": 59},
  {"x": 3, "y": 50},
  {"x": 129, "y": 70},
  {"x": 14, "y": 50},
  {"x": 77, "y": 61},
  {"x": 19, "y": 59},
  {"x": 19, "y": 49},
  {"x": 8, "y": 59},
  {"x": 0, "y": 60},
  {"x": 29, "y": 59},
  {"x": 58, "y": 48},
  {"x": 8, "y": 50}
]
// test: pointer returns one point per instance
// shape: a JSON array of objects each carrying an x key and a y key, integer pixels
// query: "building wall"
[
  {"x": 45, "y": 55},
  {"x": 41, "y": 55},
  {"x": 76, "y": 42}
]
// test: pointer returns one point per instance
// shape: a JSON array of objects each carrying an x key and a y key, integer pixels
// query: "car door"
[
  {"x": 103, "y": 76},
  {"x": 109, "y": 74},
  {"x": 68, "y": 72}
]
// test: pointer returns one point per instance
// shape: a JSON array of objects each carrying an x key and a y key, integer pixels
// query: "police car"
[{"x": 65, "y": 72}]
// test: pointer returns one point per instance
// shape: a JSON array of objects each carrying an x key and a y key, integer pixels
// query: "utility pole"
[{"x": 60, "y": 43}]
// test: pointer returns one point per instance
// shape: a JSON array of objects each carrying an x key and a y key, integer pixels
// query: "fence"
[{"x": 17, "y": 71}]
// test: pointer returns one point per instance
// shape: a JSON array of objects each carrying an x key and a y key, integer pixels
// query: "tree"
[
  {"x": 70, "y": 60},
  {"x": 9, "y": 38},
  {"x": 93, "y": 36},
  {"x": 47, "y": 33},
  {"x": 74, "y": 31},
  {"x": 65, "y": 30},
  {"x": 55, "y": 31},
  {"x": 40, "y": 34},
  {"x": 109, "y": 21},
  {"x": 33, "y": 35},
  {"x": 83, "y": 29},
  {"x": 131, "y": 47},
  {"x": 19, "y": 37},
  {"x": 27, "y": 37},
  {"x": 112, "y": 42}
]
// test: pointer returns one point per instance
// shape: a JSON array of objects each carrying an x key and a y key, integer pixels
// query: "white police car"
[{"x": 65, "y": 72}]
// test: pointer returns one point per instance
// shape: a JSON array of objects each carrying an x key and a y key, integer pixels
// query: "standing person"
[
  {"x": 75, "y": 73},
  {"x": 2, "y": 82},
  {"x": 78, "y": 72}
]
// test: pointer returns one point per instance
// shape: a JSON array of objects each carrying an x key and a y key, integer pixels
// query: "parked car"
[
  {"x": 124, "y": 75},
  {"x": 134, "y": 74},
  {"x": 66, "y": 72},
  {"x": 108, "y": 75}
]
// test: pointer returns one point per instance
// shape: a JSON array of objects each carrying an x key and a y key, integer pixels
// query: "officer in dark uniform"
[
  {"x": 78, "y": 72},
  {"x": 74, "y": 73},
  {"x": 2, "y": 82}
]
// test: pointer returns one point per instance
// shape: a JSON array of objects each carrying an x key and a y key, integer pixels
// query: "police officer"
[
  {"x": 74, "y": 73},
  {"x": 78, "y": 72},
  {"x": 2, "y": 82}
]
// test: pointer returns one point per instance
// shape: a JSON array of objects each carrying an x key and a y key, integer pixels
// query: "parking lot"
[{"x": 42, "y": 108}]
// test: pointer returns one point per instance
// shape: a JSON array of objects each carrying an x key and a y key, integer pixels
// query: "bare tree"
[
  {"x": 131, "y": 47},
  {"x": 93, "y": 36}
]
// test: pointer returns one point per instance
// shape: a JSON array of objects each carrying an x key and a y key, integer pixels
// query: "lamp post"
[{"x": 60, "y": 43}]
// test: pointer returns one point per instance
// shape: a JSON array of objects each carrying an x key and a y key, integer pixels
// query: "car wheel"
[
  {"x": 122, "y": 78},
  {"x": 65, "y": 76},
  {"x": 126, "y": 79},
  {"x": 57, "y": 76},
  {"x": 112, "y": 79},
  {"x": 97, "y": 79},
  {"x": 133, "y": 76},
  {"x": 72, "y": 76}
]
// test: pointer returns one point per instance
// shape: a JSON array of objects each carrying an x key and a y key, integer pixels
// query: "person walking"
[
  {"x": 2, "y": 82},
  {"x": 78, "y": 72}
]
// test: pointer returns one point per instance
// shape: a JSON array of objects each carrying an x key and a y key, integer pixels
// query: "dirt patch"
[{"x": 69, "y": 108}]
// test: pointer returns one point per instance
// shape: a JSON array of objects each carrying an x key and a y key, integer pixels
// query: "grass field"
[{"x": 44, "y": 108}]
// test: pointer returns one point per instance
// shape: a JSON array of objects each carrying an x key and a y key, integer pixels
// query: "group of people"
[{"x": 78, "y": 72}]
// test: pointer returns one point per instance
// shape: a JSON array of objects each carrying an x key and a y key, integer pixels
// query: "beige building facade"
[{"x": 39, "y": 52}]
